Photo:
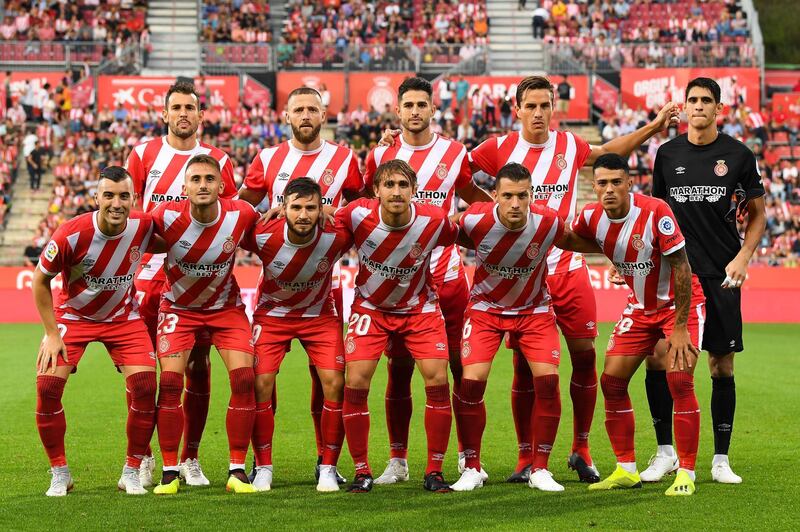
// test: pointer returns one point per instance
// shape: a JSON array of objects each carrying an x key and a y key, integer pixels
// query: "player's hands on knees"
[
  {"x": 51, "y": 347},
  {"x": 613, "y": 276},
  {"x": 387, "y": 139},
  {"x": 668, "y": 115},
  {"x": 681, "y": 353},
  {"x": 271, "y": 214},
  {"x": 735, "y": 273}
]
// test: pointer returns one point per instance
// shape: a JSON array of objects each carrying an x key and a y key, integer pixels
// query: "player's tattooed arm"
[
  {"x": 157, "y": 245},
  {"x": 570, "y": 241},
  {"x": 681, "y": 353},
  {"x": 472, "y": 193},
  {"x": 464, "y": 241},
  {"x": 52, "y": 345}
]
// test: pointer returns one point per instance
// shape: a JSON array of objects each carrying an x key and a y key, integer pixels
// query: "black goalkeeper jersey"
[{"x": 698, "y": 183}]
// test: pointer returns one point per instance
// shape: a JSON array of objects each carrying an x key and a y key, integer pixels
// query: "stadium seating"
[{"x": 226, "y": 21}]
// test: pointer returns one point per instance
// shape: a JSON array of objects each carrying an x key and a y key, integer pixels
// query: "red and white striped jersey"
[
  {"x": 97, "y": 270},
  {"x": 334, "y": 167},
  {"x": 635, "y": 244},
  {"x": 394, "y": 263},
  {"x": 442, "y": 167},
  {"x": 199, "y": 264},
  {"x": 554, "y": 168},
  {"x": 511, "y": 267},
  {"x": 755, "y": 120},
  {"x": 296, "y": 279},
  {"x": 158, "y": 172}
]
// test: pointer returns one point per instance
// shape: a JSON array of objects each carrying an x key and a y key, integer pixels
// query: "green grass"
[{"x": 764, "y": 452}]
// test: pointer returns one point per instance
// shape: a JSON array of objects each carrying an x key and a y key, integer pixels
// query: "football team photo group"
[{"x": 150, "y": 275}]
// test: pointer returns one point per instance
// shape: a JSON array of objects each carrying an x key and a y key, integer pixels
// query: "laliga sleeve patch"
[
  {"x": 51, "y": 251},
  {"x": 666, "y": 225}
]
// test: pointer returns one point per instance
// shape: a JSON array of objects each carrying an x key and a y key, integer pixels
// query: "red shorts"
[
  {"x": 574, "y": 303},
  {"x": 453, "y": 299},
  {"x": 148, "y": 292},
  {"x": 637, "y": 333},
  {"x": 320, "y": 336},
  {"x": 535, "y": 335},
  {"x": 126, "y": 341},
  {"x": 228, "y": 329},
  {"x": 368, "y": 333}
]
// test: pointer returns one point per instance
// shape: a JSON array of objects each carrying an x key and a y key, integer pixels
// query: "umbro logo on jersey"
[
  {"x": 185, "y": 244},
  {"x": 283, "y": 176},
  {"x": 680, "y": 170},
  {"x": 88, "y": 263},
  {"x": 278, "y": 264},
  {"x": 371, "y": 244},
  {"x": 155, "y": 173}
]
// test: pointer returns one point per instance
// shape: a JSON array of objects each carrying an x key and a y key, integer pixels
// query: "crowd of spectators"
[
  {"x": 612, "y": 34},
  {"x": 236, "y": 21}
]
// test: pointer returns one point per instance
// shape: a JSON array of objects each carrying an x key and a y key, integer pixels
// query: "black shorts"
[{"x": 723, "y": 328}]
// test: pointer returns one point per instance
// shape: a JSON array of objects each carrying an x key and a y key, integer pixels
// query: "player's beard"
[
  {"x": 306, "y": 138},
  {"x": 302, "y": 231},
  {"x": 417, "y": 128},
  {"x": 183, "y": 133}
]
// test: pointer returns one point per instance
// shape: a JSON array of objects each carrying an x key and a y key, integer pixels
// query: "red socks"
[
  {"x": 471, "y": 418},
  {"x": 263, "y": 429},
  {"x": 141, "y": 388},
  {"x": 583, "y": 392},
  {"x": 317, "y": 399},
  {"x": 546, "y": 415},
  {"x": 241, "y": 413},
  {"x": 332, "y": 432},
  {"x": 620, "y": 421},
  {"x": 686, "y": 417},
  {"x": 196, "y": 396},
  {"x": 50, "y": 418},
  {"x": 355, "y": 416},
  {"x": 522, "y": 397},
  {"x": 399, "y": 406},
  {"x": 170, "y": 417},
  {"x": 438, "y": 420}
]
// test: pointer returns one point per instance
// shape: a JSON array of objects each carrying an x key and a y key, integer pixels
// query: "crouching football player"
[{"x": 97, "y": 255}]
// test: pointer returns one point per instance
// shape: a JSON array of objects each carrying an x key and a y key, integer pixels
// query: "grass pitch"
[{"x": 764, "y": 453}]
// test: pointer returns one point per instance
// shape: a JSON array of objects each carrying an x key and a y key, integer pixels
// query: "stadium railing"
[{"x": 52, "y": 52}]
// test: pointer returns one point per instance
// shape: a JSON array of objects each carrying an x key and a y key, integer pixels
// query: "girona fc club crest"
[
  {"x": 466, "y": 350},
  {"x": 134, "y": 255},
  {"x": 561, "y": 162},
  {"x": 327, "y": 177},
  {"x": 637, "y": 243},
  {"x": 416, "y": 250},
  {"x": 229, "y": 245},
  {"x": 163, "y": 345},
  {"x": 323, "y": 265},
  {"x": 350, "y": 346},
  {"x": 441, "y": 171},
  {"x": 532, "y": 251},
  {"x": 721, "y": 168},
  {"x": 611, "y": 344}
]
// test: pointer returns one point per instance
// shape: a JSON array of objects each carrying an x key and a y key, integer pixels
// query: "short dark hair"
[
  {"x": 304, "y": 187},
  {"x": 611, "y": 161},
  {"x": 415, "y": 84},
  {"x": 304, "y": 90},
  {"x": 514, "y": 172},
  {"x": 181, "y": 87},
  {"x": 114, "y": 173},
  {"x": 395, "y": 166},
  {"x": 203, "y": 158},
  {"x": 706, "y": 83},
  {"x": 534, "y": 83}
]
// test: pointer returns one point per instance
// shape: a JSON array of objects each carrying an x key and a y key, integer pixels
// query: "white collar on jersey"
[
  {"x": 182, "y": 152},
  {"x": 408, "y": 146},
  {"x": 551, "y": 138},
  {"x": 293, "y": 148},
  {"x": 496, "y": 215},
  {"x": 389, "y": 227},
  {"x": 215, "y": 220},
  {"x": 104, "y": 236},
  {"x": 624, "y": 218},
  {"x": 299, "y": 246}
]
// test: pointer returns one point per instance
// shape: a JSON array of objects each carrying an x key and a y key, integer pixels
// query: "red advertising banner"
[
  {"x": 654, "y": 87},
  {"x": 83, "y": 93},
  {"x": 255, "y": 93},
  {"x": 604, "y": 95},
  {"x": 333, "y": 81},
  {"x": 771, "y": 295},
  {"x": 499, "y": 87},
  {"x": 369, "y": 89},
  {"x": 787, "y": 103},
  {"x": 140, "y": 91},
  {"x": 17, "y": 83}
]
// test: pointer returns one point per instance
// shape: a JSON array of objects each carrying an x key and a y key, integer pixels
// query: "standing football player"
[
  {"x": 97, "y": 255},
  {"x": 158, "y": 167}
]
